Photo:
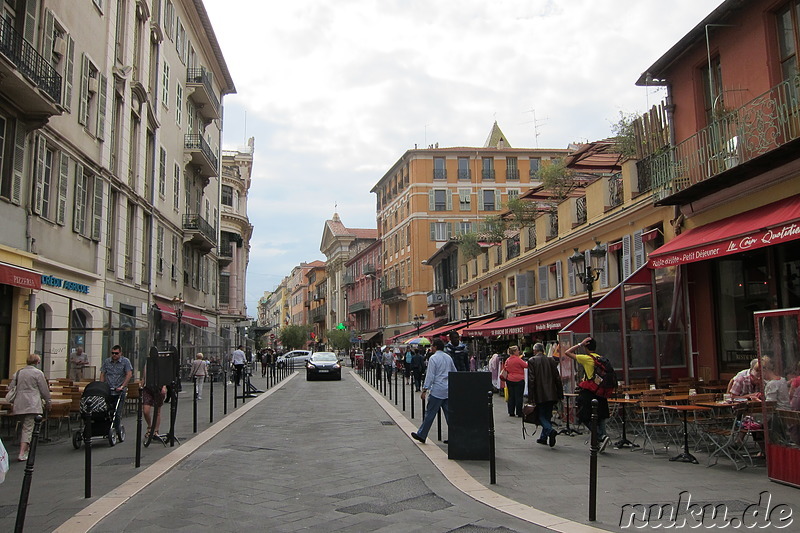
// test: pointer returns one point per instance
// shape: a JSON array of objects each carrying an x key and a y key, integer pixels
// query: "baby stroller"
[{"x": 98, "y": 403}]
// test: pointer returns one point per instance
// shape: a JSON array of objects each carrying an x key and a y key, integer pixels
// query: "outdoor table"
[
  {"x": 676, "y": 398},
  {"x": 685, "y": 457},
  {"x": 712, "y": 388},
  {"x": 568, "y": 431},
  {"x": 624, "y": 442}
]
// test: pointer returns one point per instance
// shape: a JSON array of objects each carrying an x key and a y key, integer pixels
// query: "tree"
[
  {"x": 339, "y": 339},
  {"x": 294, "y": 336},
  {"x": 625, "y": 132},
  {"x": 558, "y": 179}
]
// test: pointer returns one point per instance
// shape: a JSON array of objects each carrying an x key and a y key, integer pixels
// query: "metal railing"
[
  {"x": 28, "y": 61},
  {"x": 197, "y": 223},
  {"x": 759, "y": 126},
  {"x": 512, "y": 248},
  {"x": 202, "y": 77},
  {"x": 615, "y": 190},
  {"x": 580, "y": 210},
  {"x": 464, "y": 174},
  {"x": 552, "y": 226},
  {"x": 487, "y": 173},
  {"x": 225, "y": 250},
  {"x": 194, "y": 141},
  {"x": 440, "y": 173},
  {"x": 512, "y": 173}
]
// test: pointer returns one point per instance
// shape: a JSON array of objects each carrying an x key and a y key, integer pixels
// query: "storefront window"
[
  {"x": 640, "y": 330},
  {"x": 6, "y": 294},
  {"x": 671, "y": 317}
]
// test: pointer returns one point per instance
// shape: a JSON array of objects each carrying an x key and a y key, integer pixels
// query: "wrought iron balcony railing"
[
  {"x": 487, "y": 173},
  {"x": 580, "y": 210},
  {"x": 197, "y": 223},
  {"x": 765, "y": 123},
  {"x": 195, "y": 143},
  {"x": 440, "y": 173},
  {"x": 512, "y": 173},
  {"x": 615, "y": 191},
  {"x": 201, "y": 76},
  {"x": 28, "y": 61},
  {"x": 464, "y": 174}
]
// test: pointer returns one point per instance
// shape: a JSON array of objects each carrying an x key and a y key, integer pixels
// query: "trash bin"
[{"x": 468, "y": 428}]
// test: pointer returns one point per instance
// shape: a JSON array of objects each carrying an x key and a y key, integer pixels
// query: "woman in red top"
[{"x": 515, "y": 381}]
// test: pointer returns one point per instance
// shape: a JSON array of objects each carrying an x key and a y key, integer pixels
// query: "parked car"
[
  {"x": 294, "y": 359},
  {"x": 323, "y": 365}
]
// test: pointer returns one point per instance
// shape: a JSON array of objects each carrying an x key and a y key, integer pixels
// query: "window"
[
  {"x": 712, "y": 89},
  {"x": 45, "y": 191},
  {"x": 175, "y": 245},
  {"x": 513, "y": 194},
  {"x": 535, "y": 162},
  {"x": 441, "y": 231},
  {"x": 463, "y": 168},
  {"x": 512, "y": 171},
  {"x": 227, "y": 195},
  {"x": 180, "y": 41},
  {"x": 439, "y": 170},
  {"x": 464, "y": 199},
  {"x": 111, "y": 231},
  {"x": 160, "y": 249},
  {"x": 463, "y": 227},
  {"x": 487, "y": 166},
  {"x": 169, "y": 19},
  {"x": 439, "y": 200},
  {"x": 179, "y": 104},
  {"x": 788, "y": 38},
  {"x": 165, "y": 85},
  {"x": 176, "y": 186},
  {"x": 87, "y": 217},
  {"x": 92, "y": 104},
  {"x": 59, "y": 47},
  {"x": 162, "y": 172},
  {"x": 489, "y": 200}
]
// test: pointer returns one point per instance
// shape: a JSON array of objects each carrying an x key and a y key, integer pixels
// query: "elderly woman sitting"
[{"x": 28, "y": 388}]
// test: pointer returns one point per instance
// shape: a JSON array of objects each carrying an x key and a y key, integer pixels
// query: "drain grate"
[
  {"x": 118, "y": 461},
  {"x": 387, "y": 423}
]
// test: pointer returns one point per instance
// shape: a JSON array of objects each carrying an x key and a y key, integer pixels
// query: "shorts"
[{"x": 150, "y": 397}]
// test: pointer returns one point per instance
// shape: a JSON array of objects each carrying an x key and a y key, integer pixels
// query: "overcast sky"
[{"x": 335, "y": 92}]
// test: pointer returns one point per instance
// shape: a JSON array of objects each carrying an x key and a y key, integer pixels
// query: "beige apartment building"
[
  {"x": 110, "y": 115},
  {"x": 431, "y": 195}
]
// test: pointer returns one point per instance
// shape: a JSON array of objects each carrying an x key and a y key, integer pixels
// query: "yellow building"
[{"x": 431, "y": 195}]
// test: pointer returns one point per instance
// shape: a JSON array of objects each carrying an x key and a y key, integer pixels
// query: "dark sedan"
[{"x": 323, "y": 365}]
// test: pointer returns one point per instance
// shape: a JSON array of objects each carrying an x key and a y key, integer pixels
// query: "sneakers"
[
  {"x": 542, "y": 440},
  {"x": 551, "y": 439},
  {"x": 603, "y": 443},
  {"x": 23, "y": 457},
  {"x": 417, "y": 437}
]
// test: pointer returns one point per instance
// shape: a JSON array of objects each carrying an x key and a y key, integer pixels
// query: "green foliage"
[
  {"x": 492, "y": 230},
  {"x": 524, "y": 213},
  {"x": 338, "y": 339},
  {"x": 294, "y": 336},
  {"x": 625, "y": 135},
  {"x": 557, "y": 179},
  {"x": 468, "y": 245}
]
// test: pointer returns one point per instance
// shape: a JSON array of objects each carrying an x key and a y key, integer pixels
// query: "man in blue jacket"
[{"x": 436, "y": 382}]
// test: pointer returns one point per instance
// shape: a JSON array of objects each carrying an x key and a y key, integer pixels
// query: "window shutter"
[
  {"x": 29, "y": 32},
  {"x": 638, "y": 250},
  {"x": 433, "y": 230},
  {"x": 559, "y": 281},
  {"x": 604, "y": 265},
  {"x": 83, "y": 110},
  {"x": 431, "y": 200},
  {"x": 38, "y": 186},
  {"x": 101, "y": 109},
  {"x": 68, "y": 70},
  {"x": 531, "y": 287},
  {"x": 449, "y": 199},
  {"x": 79, "y": 200},
  {"x": 63, "y": 175},
  {"x": 19, "y": 163},
  {"x": 47, "y": 45},
  {"x": 449, "y": 230},
  {"x": 521, "y": 285},
  {"x": 571, "y": 278},
  {"x": 97, "y": 210},
  {"x": 626, "y": 257},
  {"x": 544, "y": 293}
]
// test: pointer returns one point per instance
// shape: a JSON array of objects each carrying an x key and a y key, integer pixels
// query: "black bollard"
[
  {"x": 138, "y": 461},
  {"x": 412, "y": 406},
  {"x": 395, "y": 386},
  {"x": 224, "y": 392},
  {"x": 22, "y": 508},
  {"x": 404, "y": 395},
  {"x": 173, "y": 409},
  {"x": 439, "y": 425},
  {"x": 235, "y": 392},
  {"x": 87, "y": 462},
  {"x": 194, "y": 404},
  {"x": 593, "y": 464},
  {"x": 211, "y": 400},
  {"x": 492, "y": 459}
]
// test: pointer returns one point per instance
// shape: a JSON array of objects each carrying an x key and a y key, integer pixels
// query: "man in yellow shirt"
[{"x": 585, "y": 396}]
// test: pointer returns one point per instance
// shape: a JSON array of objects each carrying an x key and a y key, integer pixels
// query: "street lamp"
[
  {"x": 418, "y": 322},
  {"x": 177, "y": 304},
  {"x": 466, "y": 306},
  {"x": 588, "y": 274}
]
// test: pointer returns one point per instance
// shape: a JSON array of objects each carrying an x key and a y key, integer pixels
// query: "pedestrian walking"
[
  {"x": 515, "y": 381},
  {"x": 436, "y": 382},
  {"x": 26, "y": 392},
  {"x": 198, "y": 373},
  {"x": 544, "y": 390},
  {"x": 585, "y": 396}
]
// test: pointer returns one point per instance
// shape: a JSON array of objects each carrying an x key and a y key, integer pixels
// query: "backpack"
[
  {"x": 408, "y": 357},
  {"x": 604, "y": 381}
]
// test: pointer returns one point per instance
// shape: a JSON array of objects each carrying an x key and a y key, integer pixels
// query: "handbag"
[
  {"x": 3, "y": 462},
  {"x": 11, "y": 395},
  {"x": 504, "y": 374},
  {"x": 530, "y": 414}
]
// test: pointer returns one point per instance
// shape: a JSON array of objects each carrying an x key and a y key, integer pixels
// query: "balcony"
[
  {"x": 203, "y": 157},
  {"x": 395, "y": 294},
  {"x": 464, "y": 174},
  {"x": 28, "y": 79},
  {"x": 615, "y": 191},
  {"x": 488, "y": 174},
  {"x": 318, "y": 314},
  {"x": 440, "y": 173},
  {"x": 512, "y": 248},
  {"x": 369, "y": 269},
  {"x": 720, "y": 154},
  {"x": 358, "y": 307},
  {"x": 580, "y": 211},
  {"x": 512, "y": 173},
  {"x": 201, "y": 92},
  {"x": 348, "y": 280},
  {"x": 199, "y": 233},
  {"x": 225, "y": 254}
]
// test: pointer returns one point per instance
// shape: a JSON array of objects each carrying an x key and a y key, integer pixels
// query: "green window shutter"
[
  {"x": 63, "y": 178},
  {"x": 83, "y": 108},
  {"x": 38, "y": 186},
  {"x": 431, "y": 200},
  {"x": 101, "y": 108},
  {"x": 449, "y": 230},
  {"x": 449, "y": 199},
  {"x": 19, "y": 163},
  {"x": 29, "y": 32},
  {"x": 68, "y": 70},
  {"x": 433, "y": 230},
  {"x": 97, "y": 210},
  {"x": 78, "y": 214},
  {"x": 47, "y": 46}
]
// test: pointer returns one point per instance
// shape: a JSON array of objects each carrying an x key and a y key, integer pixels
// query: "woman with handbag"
[
  {"x": 26, "y": 392},
  {"x": 515, "y": 380}
]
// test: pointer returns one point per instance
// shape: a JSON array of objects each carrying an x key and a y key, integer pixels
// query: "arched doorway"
[{"x": 42, "y": 341}]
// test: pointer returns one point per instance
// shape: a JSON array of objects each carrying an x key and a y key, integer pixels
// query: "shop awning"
[
  {"x": 168, "y": 314},
  {"x": 368, "y": 335},
  {"x": 768, "y": 225},
  {"x": 518, "y": 325},
  {"x": 458, "y": 327},
  {"x": 20, "y": 277},
  {"x": 412, "y": 331}
]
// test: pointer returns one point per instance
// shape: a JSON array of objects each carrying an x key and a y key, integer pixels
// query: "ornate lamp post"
[
  {"x": 466, "y": 306},
  {"x": 177, "y": 303},
  {"x": 417, "y": 321},
  {"x": 588, "y": 274}
]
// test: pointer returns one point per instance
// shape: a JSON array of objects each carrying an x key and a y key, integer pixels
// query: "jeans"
[
  {"x": 516, "y": 389},
  {"x": 198, "y": 386},
  {"x": 417, "y": 372},
  {"x": 237, "y": 373},
  {"x": 546, "y": 417},
  {"x": 431, "y": 409}
]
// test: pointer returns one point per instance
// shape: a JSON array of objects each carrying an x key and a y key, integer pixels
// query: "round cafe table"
[
  {"x": 624, "y": 402},
  {"x": 685, "y": 457}
]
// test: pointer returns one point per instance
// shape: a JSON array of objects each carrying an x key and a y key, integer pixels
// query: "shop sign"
[{"x": 52, "y": 281}]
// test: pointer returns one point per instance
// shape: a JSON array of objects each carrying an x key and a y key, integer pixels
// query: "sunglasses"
[{"x": 115, "y": 353}]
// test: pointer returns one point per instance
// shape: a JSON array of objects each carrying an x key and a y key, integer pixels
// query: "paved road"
[{"x": 320, "y": 456}]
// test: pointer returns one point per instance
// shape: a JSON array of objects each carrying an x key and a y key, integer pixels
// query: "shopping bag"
[
  {"x": 505, "y": 393},
  {"x": 3, "y": 462}
]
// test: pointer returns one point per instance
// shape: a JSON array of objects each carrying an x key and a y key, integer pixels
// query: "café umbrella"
[{"x": 418, "y": 341}]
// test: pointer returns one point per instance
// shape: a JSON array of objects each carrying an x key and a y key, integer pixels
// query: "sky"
[{"x": 335, "y": 92}]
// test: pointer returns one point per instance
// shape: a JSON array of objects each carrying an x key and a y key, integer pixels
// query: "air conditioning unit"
[
  {"x": 60, "y": 46},
  {"x": 93, "y": 85},
  {"x": 436, "y": 298}
]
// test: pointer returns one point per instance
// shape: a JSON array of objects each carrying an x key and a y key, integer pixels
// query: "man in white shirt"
[
  {"x": 238, "y": 360},
  {"x": 436, "y": 382}
]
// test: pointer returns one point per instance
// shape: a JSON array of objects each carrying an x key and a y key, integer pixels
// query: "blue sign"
[{"x": 52, "y": 281}]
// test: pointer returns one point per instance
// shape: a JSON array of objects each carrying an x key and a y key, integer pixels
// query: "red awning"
[
  {"x": 771, "y": 224},
  {"x": 412, "y": 331},
  {"x": 20, "y": 277},
  {"x": 614, "y": 246},
  {"x": 462, "y": 331},
  {"x": 518, "y": 325},
  {"x": 168, "y": 314}
]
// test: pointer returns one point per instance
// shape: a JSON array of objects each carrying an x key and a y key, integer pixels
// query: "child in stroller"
[{"x": 100, "y": 407}]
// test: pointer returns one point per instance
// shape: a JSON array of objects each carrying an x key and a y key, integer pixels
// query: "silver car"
[{"x": 294, "y": 359}]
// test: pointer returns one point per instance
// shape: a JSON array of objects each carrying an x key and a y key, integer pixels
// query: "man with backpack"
[{"x": 599, "y": 383}]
